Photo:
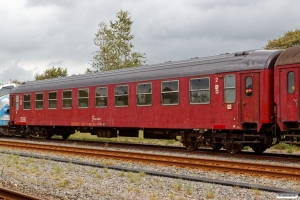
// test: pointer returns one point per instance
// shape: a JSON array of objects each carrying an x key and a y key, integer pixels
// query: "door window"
[
  {"x": 291, "y": 82},
  {"x": 248, "y": 86}
]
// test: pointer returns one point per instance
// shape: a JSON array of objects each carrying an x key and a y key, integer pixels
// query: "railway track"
[
  {"x": 178, "y": 149},
  {"x": 275, "y": 171},
  {"x": 8, "y": 194}
]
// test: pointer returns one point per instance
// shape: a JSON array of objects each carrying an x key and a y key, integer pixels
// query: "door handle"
[
  {"x": 243, "y": 104},
  {"x": 296, "y": 101}
]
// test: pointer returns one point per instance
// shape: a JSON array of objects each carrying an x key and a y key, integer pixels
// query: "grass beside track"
[{"x": 89, "y": 137}]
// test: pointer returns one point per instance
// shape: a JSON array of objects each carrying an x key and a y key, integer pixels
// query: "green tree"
[
  {"x": 115, "y": 46},
  {"x": 290, "y": 39},
  {"x": 17, "y": 81},
  {"x": 52, "y": 73}
]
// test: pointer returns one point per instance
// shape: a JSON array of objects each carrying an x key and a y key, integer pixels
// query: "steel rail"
[
  {"x": 275, "y": 171},
  {"x": 12, "y": 194}
]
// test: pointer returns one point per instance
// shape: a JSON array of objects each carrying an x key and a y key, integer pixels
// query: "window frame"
[
  {"x": 67, "y": 99},
  {"x": 52, "y": 99},
  {"x": 121, "y": 95},
  {"x": 144, "y": 93},
  {"x": 81, "y": 98},
  {"x": 37, "y": 101},
  {"x": 26, "y": 101},
  {"x": 17, "y": 101},
  {"x": 101, "y": 96},
  {"x": 209, "y": 90},
  {"x": 228, "y": 88},
  {"x": 161, "y": 93}
]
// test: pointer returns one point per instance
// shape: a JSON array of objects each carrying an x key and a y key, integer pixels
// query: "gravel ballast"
[{"x": 56, "y": 180}]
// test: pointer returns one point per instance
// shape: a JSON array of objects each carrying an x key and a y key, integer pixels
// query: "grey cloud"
[
  {"x": 13, "y": 71},
  {"x": 40, "y": 34}
]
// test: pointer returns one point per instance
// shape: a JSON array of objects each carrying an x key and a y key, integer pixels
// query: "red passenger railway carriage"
[{"x": 219, "y": 101}]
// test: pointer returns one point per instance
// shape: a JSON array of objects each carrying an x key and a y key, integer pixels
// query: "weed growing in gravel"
[
  {"x": 105, "y": 169},
  {"x": 189, "y": 189},
  {"x": 70, "y": 166},
  {"x": 57, "y": 170},
  {"x": 79, "y": 183},
  {"x": 286, "y": 147},
  {"x": 153, "y": 196},
  {"x": 108, "y": 175},
  {"x": 256, "y": 191},
  {"x": 170, "y": 141},
  {"x": 211, "y": 194},
  {"x": 142, "y": 174},
  {"x": 290, "y": 150},
  {"x": 93, "y": 171},
  {"x": 129, "y": 188},
  {"x": 29, "y": 160},
  {"x": 43, "y": 161},
  {"x": 98, "y": 175},
  {"x": 131, "y": 177},
  {"x": 246, "y": 148},
  {"x": 137, "y": 190},
  {"x": 122, "y": 173},
  {"x": 35, "y": 169},
  {"x": 172, "y": 196},
  {"x": 236, "y": 187},
  {"x": 179, "y": 185},
  {"x": 15, "y": 159},
  {"x": 8, "y": 164},
  {"x": 109, "y": 162},
  {"x": 64, "y": 183}
]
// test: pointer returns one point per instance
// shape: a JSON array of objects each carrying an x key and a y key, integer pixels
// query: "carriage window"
[
  {"x": 291, "y": 82},
  {"x": 83, "y": 98},
  {"x": 67, "y": 99},
  {"x": 39, "y": 101},
  {"x": 52, "y": 100},
  {"x": 199, "y": 90},
  {"x": 248, "y": 86},
  {"x": 229, "y": 89},
  {"x": 170, "y": 92},
  {"x": 101, "y": 97},
  {"x": 26, "y": 101},
  {"x": 121, "y": 95},
  {"x": 144, "y": 94}
]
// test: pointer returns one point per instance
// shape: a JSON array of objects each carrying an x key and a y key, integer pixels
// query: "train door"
[
  {"x": 289, "y": 94},
  {"x": 249, "y": 97},
  {"x": 14, "y": 107}
]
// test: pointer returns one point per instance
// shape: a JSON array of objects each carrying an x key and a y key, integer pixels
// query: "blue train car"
[{"x": 4, "y": 102}]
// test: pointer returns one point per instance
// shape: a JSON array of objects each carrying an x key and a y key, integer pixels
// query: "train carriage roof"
[
  {"x": 247, "y": 60},
  {"x": 289, "y": 56}
]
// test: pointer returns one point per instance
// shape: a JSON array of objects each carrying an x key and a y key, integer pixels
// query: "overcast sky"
[{"x": 38, "y": 34}]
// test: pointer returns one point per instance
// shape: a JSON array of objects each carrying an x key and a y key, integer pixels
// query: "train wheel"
[
  {"x": 259, "y": 148},
  {"x": 217, "y": 147},
  {"x": 234, "y": 148},
  {"x": 43, "y": 134},
  {"x": 191, "y": 146}
]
